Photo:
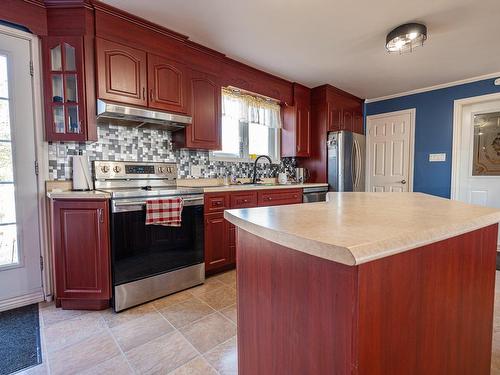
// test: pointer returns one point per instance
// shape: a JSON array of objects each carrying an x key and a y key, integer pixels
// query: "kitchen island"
[{"x": 367, "y": 283}]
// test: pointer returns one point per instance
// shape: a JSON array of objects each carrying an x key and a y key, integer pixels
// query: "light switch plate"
[
  {"x": 196, "y": 170},
  {"x": 437, "y": 157}
]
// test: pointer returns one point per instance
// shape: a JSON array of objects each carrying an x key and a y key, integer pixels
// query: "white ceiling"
[{"x": 340, "y": 42}]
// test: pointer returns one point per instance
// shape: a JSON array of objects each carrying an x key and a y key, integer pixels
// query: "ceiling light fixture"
[{"x": 405, "y": 38}]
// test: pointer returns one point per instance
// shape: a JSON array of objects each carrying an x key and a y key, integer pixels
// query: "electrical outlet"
[
  {"x": 437, "y": 157},
  {"x": 195, "y": 170}
]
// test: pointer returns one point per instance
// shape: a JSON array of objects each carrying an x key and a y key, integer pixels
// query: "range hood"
[{"x": 119, "y": 114}]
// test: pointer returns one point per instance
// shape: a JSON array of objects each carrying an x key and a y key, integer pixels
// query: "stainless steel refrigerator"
[{"x": 346, "y": 161}]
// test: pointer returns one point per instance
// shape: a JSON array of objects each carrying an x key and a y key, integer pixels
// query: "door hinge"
[
  {"x": 31, "y": 68},
  {"x": 41, "y": 262},
  {"x": 37, "y": 169}
]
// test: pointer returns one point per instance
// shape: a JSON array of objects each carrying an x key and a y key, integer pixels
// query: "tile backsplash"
[{"x": 143, "y": 144}]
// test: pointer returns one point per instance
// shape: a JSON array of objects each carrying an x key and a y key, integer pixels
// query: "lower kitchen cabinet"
[
  {"x": 81, "y": 255},
  {"x": 220, "y": 234},
  {"x": 216, "y": 242},
  {"x": 279, "y": 197}
]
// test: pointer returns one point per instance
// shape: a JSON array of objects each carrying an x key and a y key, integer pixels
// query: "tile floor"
[{"x": 192, "y": 332}]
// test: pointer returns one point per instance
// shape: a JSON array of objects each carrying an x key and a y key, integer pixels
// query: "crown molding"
[{"x": 435, "y": 87}]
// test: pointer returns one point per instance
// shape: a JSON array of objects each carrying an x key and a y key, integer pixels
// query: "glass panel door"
[
  {"x": 64, "y": 85},
  {"x": 486, "y": 149},
  {"x": 8, "y": 234}
]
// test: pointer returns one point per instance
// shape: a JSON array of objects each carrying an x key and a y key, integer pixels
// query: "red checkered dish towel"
[{"x": 165, "y": 211}]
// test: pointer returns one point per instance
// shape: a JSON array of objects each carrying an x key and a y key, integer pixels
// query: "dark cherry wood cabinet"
[
  {"x": 335, "y": 116},
  {"x": 357, "y": 123},
  {"x": 65, "y": 113},
  {"x": 121, "y": 73},
  {"x": 216, "y": 202},
  {"x": 168, "y": 84},
  {"x": 332, "y": 110},
  {"x": 68, "y": 74},
  {"x": 205, "y": 130},
  {"x": 220, "y": 234},
  {"x": 216, "y": 241},
  {"x": 296, "y": 131},
  {"x": 347, "y": 120},
  {"x": 279, "y": 197},
  {"x": 244, "y": 199},
  {"x": 123, "y": 58},
  {"x": 81, "y": 253}
]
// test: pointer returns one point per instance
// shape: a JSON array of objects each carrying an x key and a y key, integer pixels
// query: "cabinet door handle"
[
  {"x": 143, "y": 93},
  {"x": 151, "y": 95},
  {"x": 101, "y": 215}
]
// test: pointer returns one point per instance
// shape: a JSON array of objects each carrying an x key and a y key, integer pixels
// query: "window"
[
  {"x": 250, "y": 126},
  {"x": 8, "y": 226}
]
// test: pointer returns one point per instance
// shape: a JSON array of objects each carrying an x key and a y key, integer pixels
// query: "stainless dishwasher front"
[{"x": 314, "y": 194}]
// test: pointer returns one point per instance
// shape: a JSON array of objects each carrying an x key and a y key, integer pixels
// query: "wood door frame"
[{"x": 412, "y": 112}]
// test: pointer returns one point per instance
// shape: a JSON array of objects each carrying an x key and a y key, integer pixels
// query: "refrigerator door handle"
[
  {"x": 357, "y": 163},
  {"x": 353, "y": 164}
]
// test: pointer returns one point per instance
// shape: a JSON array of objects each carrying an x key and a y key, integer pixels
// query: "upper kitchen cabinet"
[
  {"x": 296, "y": 132},
  {"x": 68, "y": 72},
  {"x": 344, "y": 111},
  {"x": 168, "y": 84},
  {"x": 332, "y": 110},
  {"x": 357, "y": 122},
  {"x": 65, "y": 110},
  {"x": 205, "y": 130},
  {"x": 121, "y": 73},
  {"x": 131, "y": 76}
]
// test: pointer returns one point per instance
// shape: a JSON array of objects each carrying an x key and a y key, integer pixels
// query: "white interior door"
[
  {"x": 20, "y": 273},
  {"x": 479, "y": 155},
  {"x": 389, "y": 155}
]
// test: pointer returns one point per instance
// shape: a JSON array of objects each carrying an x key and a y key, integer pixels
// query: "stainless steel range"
[{"x": 150, "y": 261}]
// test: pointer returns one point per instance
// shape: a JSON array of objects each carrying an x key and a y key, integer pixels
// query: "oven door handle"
[
  {"x": 121, "y": 206},
  {"x": 118, "y": 204}
]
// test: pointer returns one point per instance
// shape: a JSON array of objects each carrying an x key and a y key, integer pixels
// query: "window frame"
[{"x": 244, "y": 154}]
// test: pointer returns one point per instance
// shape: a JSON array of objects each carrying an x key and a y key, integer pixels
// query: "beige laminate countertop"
[
  {"x": 355, "y": 228},
  {"x": 241, "y": 187},
  {"x": 78, "y": 195}
]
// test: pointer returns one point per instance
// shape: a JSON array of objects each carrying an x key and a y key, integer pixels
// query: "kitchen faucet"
[{"x": 254, "y": 179}]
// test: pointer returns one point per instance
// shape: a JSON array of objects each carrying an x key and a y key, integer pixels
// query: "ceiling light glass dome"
[{"x": 406, "y": 38}]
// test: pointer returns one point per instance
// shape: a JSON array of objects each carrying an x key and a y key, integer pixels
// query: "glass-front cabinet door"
[{"x": 63, "y": 88}]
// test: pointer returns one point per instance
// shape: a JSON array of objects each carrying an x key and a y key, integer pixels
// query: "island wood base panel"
[{"x": 425, "y": 311}]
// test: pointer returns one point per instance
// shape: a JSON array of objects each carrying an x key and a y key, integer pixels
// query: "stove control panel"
[{"x": 125, "y": 170}]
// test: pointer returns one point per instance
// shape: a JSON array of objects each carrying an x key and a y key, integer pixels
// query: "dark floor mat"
[{"x": 20, "y": 345}]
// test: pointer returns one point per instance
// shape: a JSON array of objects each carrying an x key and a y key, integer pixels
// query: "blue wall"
[{"x": 433, "y": 130}]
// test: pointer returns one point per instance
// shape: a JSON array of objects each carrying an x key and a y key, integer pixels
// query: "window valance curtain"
[{"x": 251, "y": 109}]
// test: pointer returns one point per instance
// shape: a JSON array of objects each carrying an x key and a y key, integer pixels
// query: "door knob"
[{"x": 403, "y": 182}]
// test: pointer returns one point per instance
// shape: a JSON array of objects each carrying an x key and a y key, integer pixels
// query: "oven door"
[{"x": 140, "y": 251}]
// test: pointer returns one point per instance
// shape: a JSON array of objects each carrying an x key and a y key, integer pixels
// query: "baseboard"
[{"x": 24, "y": 300}]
